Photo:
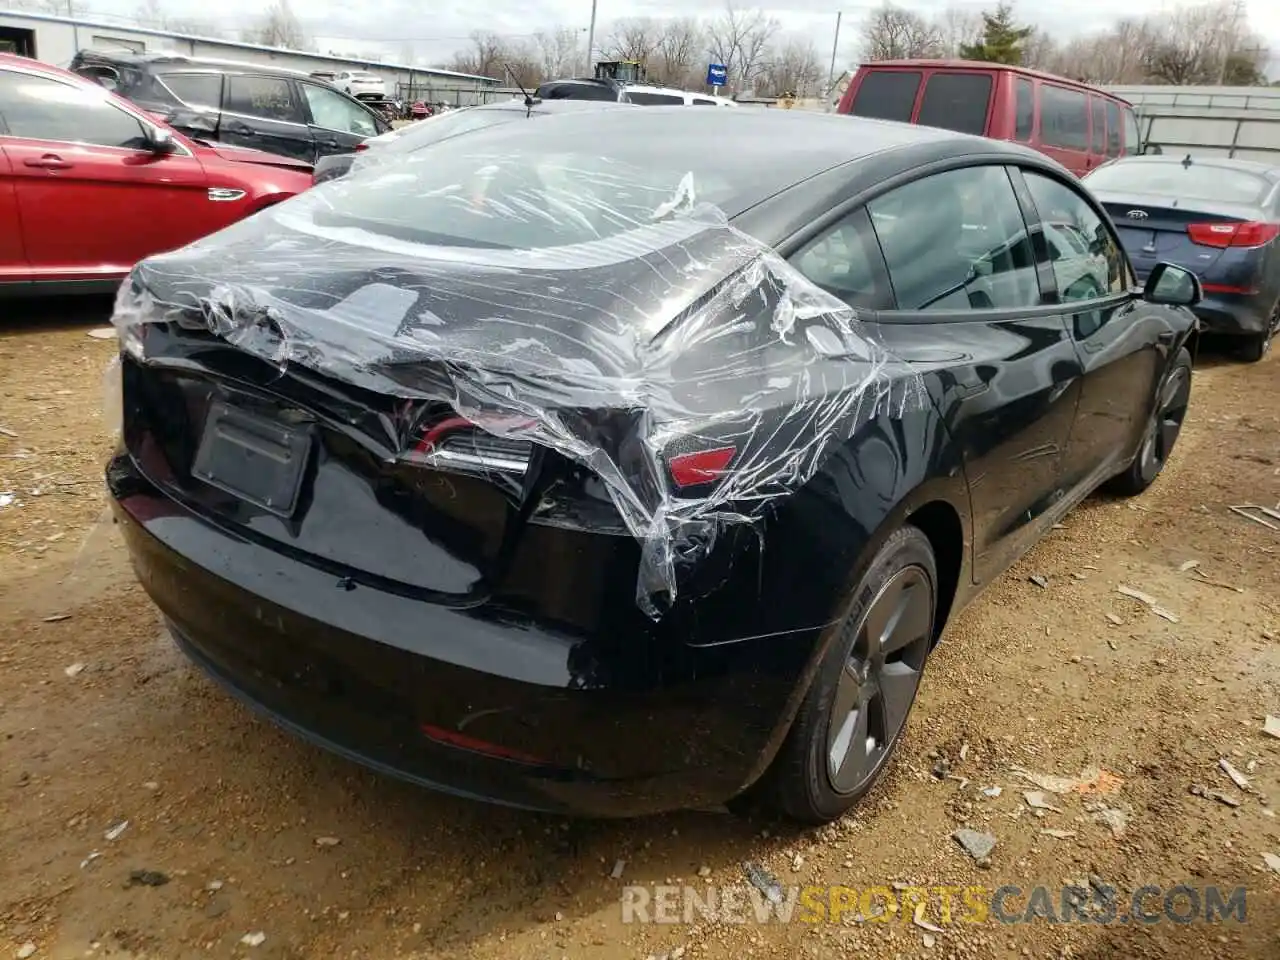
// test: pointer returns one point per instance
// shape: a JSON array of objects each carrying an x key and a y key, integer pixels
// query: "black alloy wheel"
[
  {"x": 1162, "y": 429},
  {"x": 855, "y": 712}
]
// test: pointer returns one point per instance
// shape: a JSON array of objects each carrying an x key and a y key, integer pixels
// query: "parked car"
[
  {"x": 391, "y": 146},
  {"x": 1078, "y": 125},
  {"x": 581, "y": 88},
  {"x": 670, "y": 97},
  {"x": 361, "y": 84},
  {"x": 1219, "y": 218},
  {"x": 250, "y": 105},
  {"x": 630, "y": 460},
  {"x": 89, "y": 185}
]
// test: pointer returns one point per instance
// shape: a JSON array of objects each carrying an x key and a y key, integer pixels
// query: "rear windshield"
[
  {"x": 528, "y": 186},
  {"x": 956, "y": 101},
  {"x": 654, "y": 99},
  {"x": 1196, "y": 182},
  {"x": 446, "y": 125},
  {"x": 575, "y": 91},
  {"x": 886, "y": 95}
]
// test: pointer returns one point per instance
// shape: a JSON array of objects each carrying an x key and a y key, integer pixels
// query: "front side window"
[
  {"x": 1086, "y": 259},
  {"x": 1113, "y": 129},
  {"x": 270, "y": 98},
  {"x": 956, "y": 101},
  {"x": 38, "y": 108},
  {"x": 1024, "y": 122},
  {"x": 333, "y": 111},
  {"x": 957, "y": 241},
  {"x": 887, "y": 95},
  {"x": 1064, "y": 118}
]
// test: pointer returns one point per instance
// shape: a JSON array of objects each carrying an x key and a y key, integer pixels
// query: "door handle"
[
  {"x": 50, "y": 161},
  {"x": 244, "y": 130},
  {"x": 330, "y": 143}
]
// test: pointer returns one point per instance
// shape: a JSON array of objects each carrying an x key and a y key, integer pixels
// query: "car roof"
[
  {"x": 145, "y": 60},
  {"x": 764, "y": 153},
  {"x": 1258, "y": 168},
  {"x": 984, "y": 66},
  {"x": 552, "y": 106}
]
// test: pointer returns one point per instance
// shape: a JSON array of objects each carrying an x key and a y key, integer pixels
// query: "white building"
[{"x": 56, "y": 40}]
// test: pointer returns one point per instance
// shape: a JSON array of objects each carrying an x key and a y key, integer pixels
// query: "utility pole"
[
  {"x": 831, "y": 74},
  {"x": 591, "y": 41}
]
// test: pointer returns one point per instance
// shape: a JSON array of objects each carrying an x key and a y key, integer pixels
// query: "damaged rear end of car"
[{"x": 472, "y": 488}]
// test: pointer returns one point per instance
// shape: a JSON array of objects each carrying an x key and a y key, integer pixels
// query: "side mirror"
[
  {"x": 1172, "y": 285},
  {"x": 161, "y": 141}
]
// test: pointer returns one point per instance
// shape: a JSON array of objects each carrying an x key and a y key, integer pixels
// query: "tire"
[
  {"x": 1259, "y": 345},
  {"x": 899, "y": 590},
  {"x": 1161, "y": 434}
]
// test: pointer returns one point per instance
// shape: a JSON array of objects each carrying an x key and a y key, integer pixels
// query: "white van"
[{"x": 664, "y": 96}]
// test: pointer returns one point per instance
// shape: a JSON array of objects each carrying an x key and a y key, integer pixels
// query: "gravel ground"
[{"x": 230, "y": 822}]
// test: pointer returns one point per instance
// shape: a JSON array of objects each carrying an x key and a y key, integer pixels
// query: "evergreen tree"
[{"x": 1001, "y": 40}]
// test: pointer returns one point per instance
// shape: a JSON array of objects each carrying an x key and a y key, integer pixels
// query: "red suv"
[
  {"x": 89, "y": 184},
  {"x": 1078, "y": 125}
]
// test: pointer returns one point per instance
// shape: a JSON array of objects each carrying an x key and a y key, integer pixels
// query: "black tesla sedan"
[
  {"x": 1219, "y": 218},
  {"x": 630, "y": 460}
]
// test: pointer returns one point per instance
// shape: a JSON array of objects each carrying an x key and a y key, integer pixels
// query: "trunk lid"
[{"x": 1153, "y": 227}]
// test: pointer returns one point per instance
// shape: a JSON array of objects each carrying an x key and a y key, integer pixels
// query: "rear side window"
[
  {"x": 1113, "y": 129},
  {"x": 1064, "y": 118},
  {"x": 654, "y": 99},
  {"x": 1025, "y": 112},
  {"x": 270, "y": 98},
  {"x": 886, "y": 95},
  {"x": 956, "y": 101},
  {"x": 1098, "y": 115},
  {"x": 699, "y": 102},
  {"x": 1131, "y": 136},
  {"x": 195, "y": 89},
  {"x": 957, "y": 241}
]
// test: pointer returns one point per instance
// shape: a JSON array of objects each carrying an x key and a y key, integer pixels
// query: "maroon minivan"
[{"x": 1078, "y": 125}]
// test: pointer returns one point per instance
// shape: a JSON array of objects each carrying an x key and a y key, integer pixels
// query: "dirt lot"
[{"x": 102, "y": 722}]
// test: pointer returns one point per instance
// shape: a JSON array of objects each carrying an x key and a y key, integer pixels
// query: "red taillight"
[
  {"x": 452, "y": 738},
  {"x": 1250, "y": 233},
  {"x": 362, "y": 145},
  {"x": 701, "y": 466}
]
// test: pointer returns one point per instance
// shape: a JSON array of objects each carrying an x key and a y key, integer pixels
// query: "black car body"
[
  {"x": 389, "y": 146},
  {"x": 1219, "y": 218},
  {"x": 555, "y": 464},
  {"x": 286, "y": 112}
]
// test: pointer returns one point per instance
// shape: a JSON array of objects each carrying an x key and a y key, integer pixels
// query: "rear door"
[
  {"x": 1064, "y": 126},
  {"x": 886, "y": 94},
  {"x": 265, "y": 113},
  {"x": 337, "y": 123},
  {"x": 967, "y": 301},
  {"x": 959, "y": 101},
  {"x": 1119, "y": 347},
  {"x": 92, "y": 200}
]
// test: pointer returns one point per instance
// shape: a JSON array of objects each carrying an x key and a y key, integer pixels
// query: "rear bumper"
[
  {"x": 1235, "y": 314},
  {"x": 567, "y": 723}
]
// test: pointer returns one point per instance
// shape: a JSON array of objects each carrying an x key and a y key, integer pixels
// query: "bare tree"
[
  {"x": 957, "y": 27},
  {"x": 279, "y": 27},
  {"x": 681, "y": 49},
  {"x": 484, "y": 58},
  {"x": 892, "y": 33},
  {"x": 794, "y": 69},
  {"x": 739, "y": 40},
  {"x": 61, "y": 8},
  {"x": 558, "y": 52},
  {"x": 634, "y": 38}
]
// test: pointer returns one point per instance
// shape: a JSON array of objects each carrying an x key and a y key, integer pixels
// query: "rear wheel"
[
  {"x": 1259, "y": 345},
  {"x": 855, "y": 712},
  {"x": 1162, "y": 430}
]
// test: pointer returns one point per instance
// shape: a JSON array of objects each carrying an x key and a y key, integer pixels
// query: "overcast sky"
[{"x": 430, "y": 33}]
